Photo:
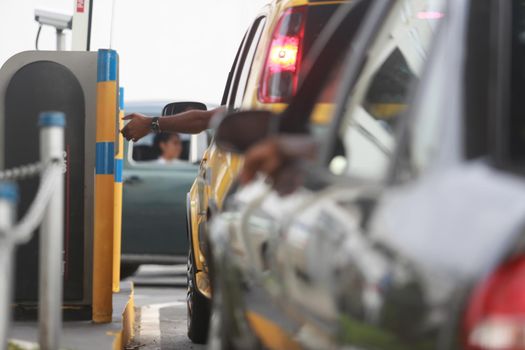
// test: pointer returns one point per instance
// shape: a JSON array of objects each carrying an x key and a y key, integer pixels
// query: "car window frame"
[
  {"x": 227, "y": 88},
  {"x": 259, "y": 26},
  {"x": 151, "y": 164},
  {"x": 241, "y": 59},
  {"x": 133, "y": 164}
]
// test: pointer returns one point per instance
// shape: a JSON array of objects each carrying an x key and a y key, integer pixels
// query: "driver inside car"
[{"x": 168, "y": 147}]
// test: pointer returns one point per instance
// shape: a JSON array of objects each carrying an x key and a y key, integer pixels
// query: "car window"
[
  {"x": 245, "y": 63},
  {"x": 381, "y": 93},
  {"x": 162, "y": 149}
]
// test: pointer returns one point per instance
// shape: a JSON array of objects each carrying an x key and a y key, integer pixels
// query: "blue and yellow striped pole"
[
  {"x": 117, "y": 213},
  {"x": 107, "y": 107}
]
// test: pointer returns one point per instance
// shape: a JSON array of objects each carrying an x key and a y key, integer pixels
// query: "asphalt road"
[{"x": 160, "y": 301}]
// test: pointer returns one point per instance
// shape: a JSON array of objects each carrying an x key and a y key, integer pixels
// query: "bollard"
[
  {"x": 51, "y": 236},
  {"x": 8, "y": 199},
  {"x": 107, "y": 108},
  {"x": 117, "y": 212}
]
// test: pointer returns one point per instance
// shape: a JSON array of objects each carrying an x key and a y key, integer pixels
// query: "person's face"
[{"x": 172, "y": 148}]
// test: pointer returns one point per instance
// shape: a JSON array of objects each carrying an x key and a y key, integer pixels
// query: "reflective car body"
[
  {"x": 409, "y": 235},
  {"x": 289, "y": 27}
]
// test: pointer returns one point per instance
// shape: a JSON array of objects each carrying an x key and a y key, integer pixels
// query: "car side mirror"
[
  {"x": 179, "y": 107},
  {"x": 237, "y": 132}
]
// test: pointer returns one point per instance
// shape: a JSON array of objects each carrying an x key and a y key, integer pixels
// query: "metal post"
[
  {"x": 8, "y": 199},
  {"x": 82, "y": 25},
  {"x": 107, "y": 107},
  {"x": 51, "y": 236},
  {"x": 61, "y": 40}
]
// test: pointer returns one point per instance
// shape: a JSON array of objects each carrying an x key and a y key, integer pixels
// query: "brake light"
[
  {"x": 284, "y": 56},
  {"x": 495, "y": 317},
  {"x": 281, "y": 71}
]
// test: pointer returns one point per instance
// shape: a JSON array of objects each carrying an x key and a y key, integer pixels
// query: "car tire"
[
  {"x": 128, "y": 270},
  {"x": 198, "y": 307}
]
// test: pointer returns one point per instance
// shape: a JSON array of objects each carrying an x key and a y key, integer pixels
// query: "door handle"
[{"x": 132, "y": 180}]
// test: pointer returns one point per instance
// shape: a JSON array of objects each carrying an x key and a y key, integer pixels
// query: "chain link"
[
  {"x": 22, "y": 172},
  {"x": 29, "y": 170}
]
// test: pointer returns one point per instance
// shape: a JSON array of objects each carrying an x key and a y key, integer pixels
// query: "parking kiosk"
[{"x": 83, "y": 85}]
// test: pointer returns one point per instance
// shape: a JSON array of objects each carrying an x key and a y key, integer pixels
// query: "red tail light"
[
  {"x": 281, "y": 71},
  {"x": 495, "y": 318}
]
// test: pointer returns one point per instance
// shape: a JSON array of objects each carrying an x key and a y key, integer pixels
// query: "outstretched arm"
[{"x": 190, "y": 122}]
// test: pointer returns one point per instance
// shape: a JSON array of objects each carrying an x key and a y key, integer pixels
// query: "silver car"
[{"x": 408, "y": 231}]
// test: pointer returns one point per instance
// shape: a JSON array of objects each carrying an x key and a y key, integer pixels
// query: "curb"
[
  {"x": 125, "y": 336},
  {"x": 15, "y": 344}
]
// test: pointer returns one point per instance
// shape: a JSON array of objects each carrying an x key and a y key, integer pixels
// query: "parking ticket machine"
[{"x": 70, "y": 82}]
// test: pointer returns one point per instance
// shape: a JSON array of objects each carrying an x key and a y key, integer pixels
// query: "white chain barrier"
[
  {"x": 22, "y": 172},
  {"x": 21, "y": 233},
  {"x": 46, "y": 211}
]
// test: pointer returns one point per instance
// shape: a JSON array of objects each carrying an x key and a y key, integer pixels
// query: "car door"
[{"x": 154, "y": 205}]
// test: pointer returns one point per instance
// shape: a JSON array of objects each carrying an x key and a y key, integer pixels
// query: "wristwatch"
[{"x": 155, "y": 125}]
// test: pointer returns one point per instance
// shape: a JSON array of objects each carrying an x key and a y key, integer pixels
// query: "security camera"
[{"x": 58, "y": 20}]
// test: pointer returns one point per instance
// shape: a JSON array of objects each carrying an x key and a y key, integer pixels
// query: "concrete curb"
[
  {"x": 125, "y": 336},
  {"x": 15, "y": 344}
]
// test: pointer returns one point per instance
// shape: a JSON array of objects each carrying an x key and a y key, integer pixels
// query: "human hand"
[
  {"x": 265, "y": 157},
  {"x": 139, "y": 126},
  {"x": 279, "y": 158}
]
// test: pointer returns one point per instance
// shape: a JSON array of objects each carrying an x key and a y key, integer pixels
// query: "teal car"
[{"x": 154, "y": 196}]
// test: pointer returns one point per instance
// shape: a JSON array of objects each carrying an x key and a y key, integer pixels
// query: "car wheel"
[
  {"x": 198, "y": 307},
  {"x": 128, "y": 270}
]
